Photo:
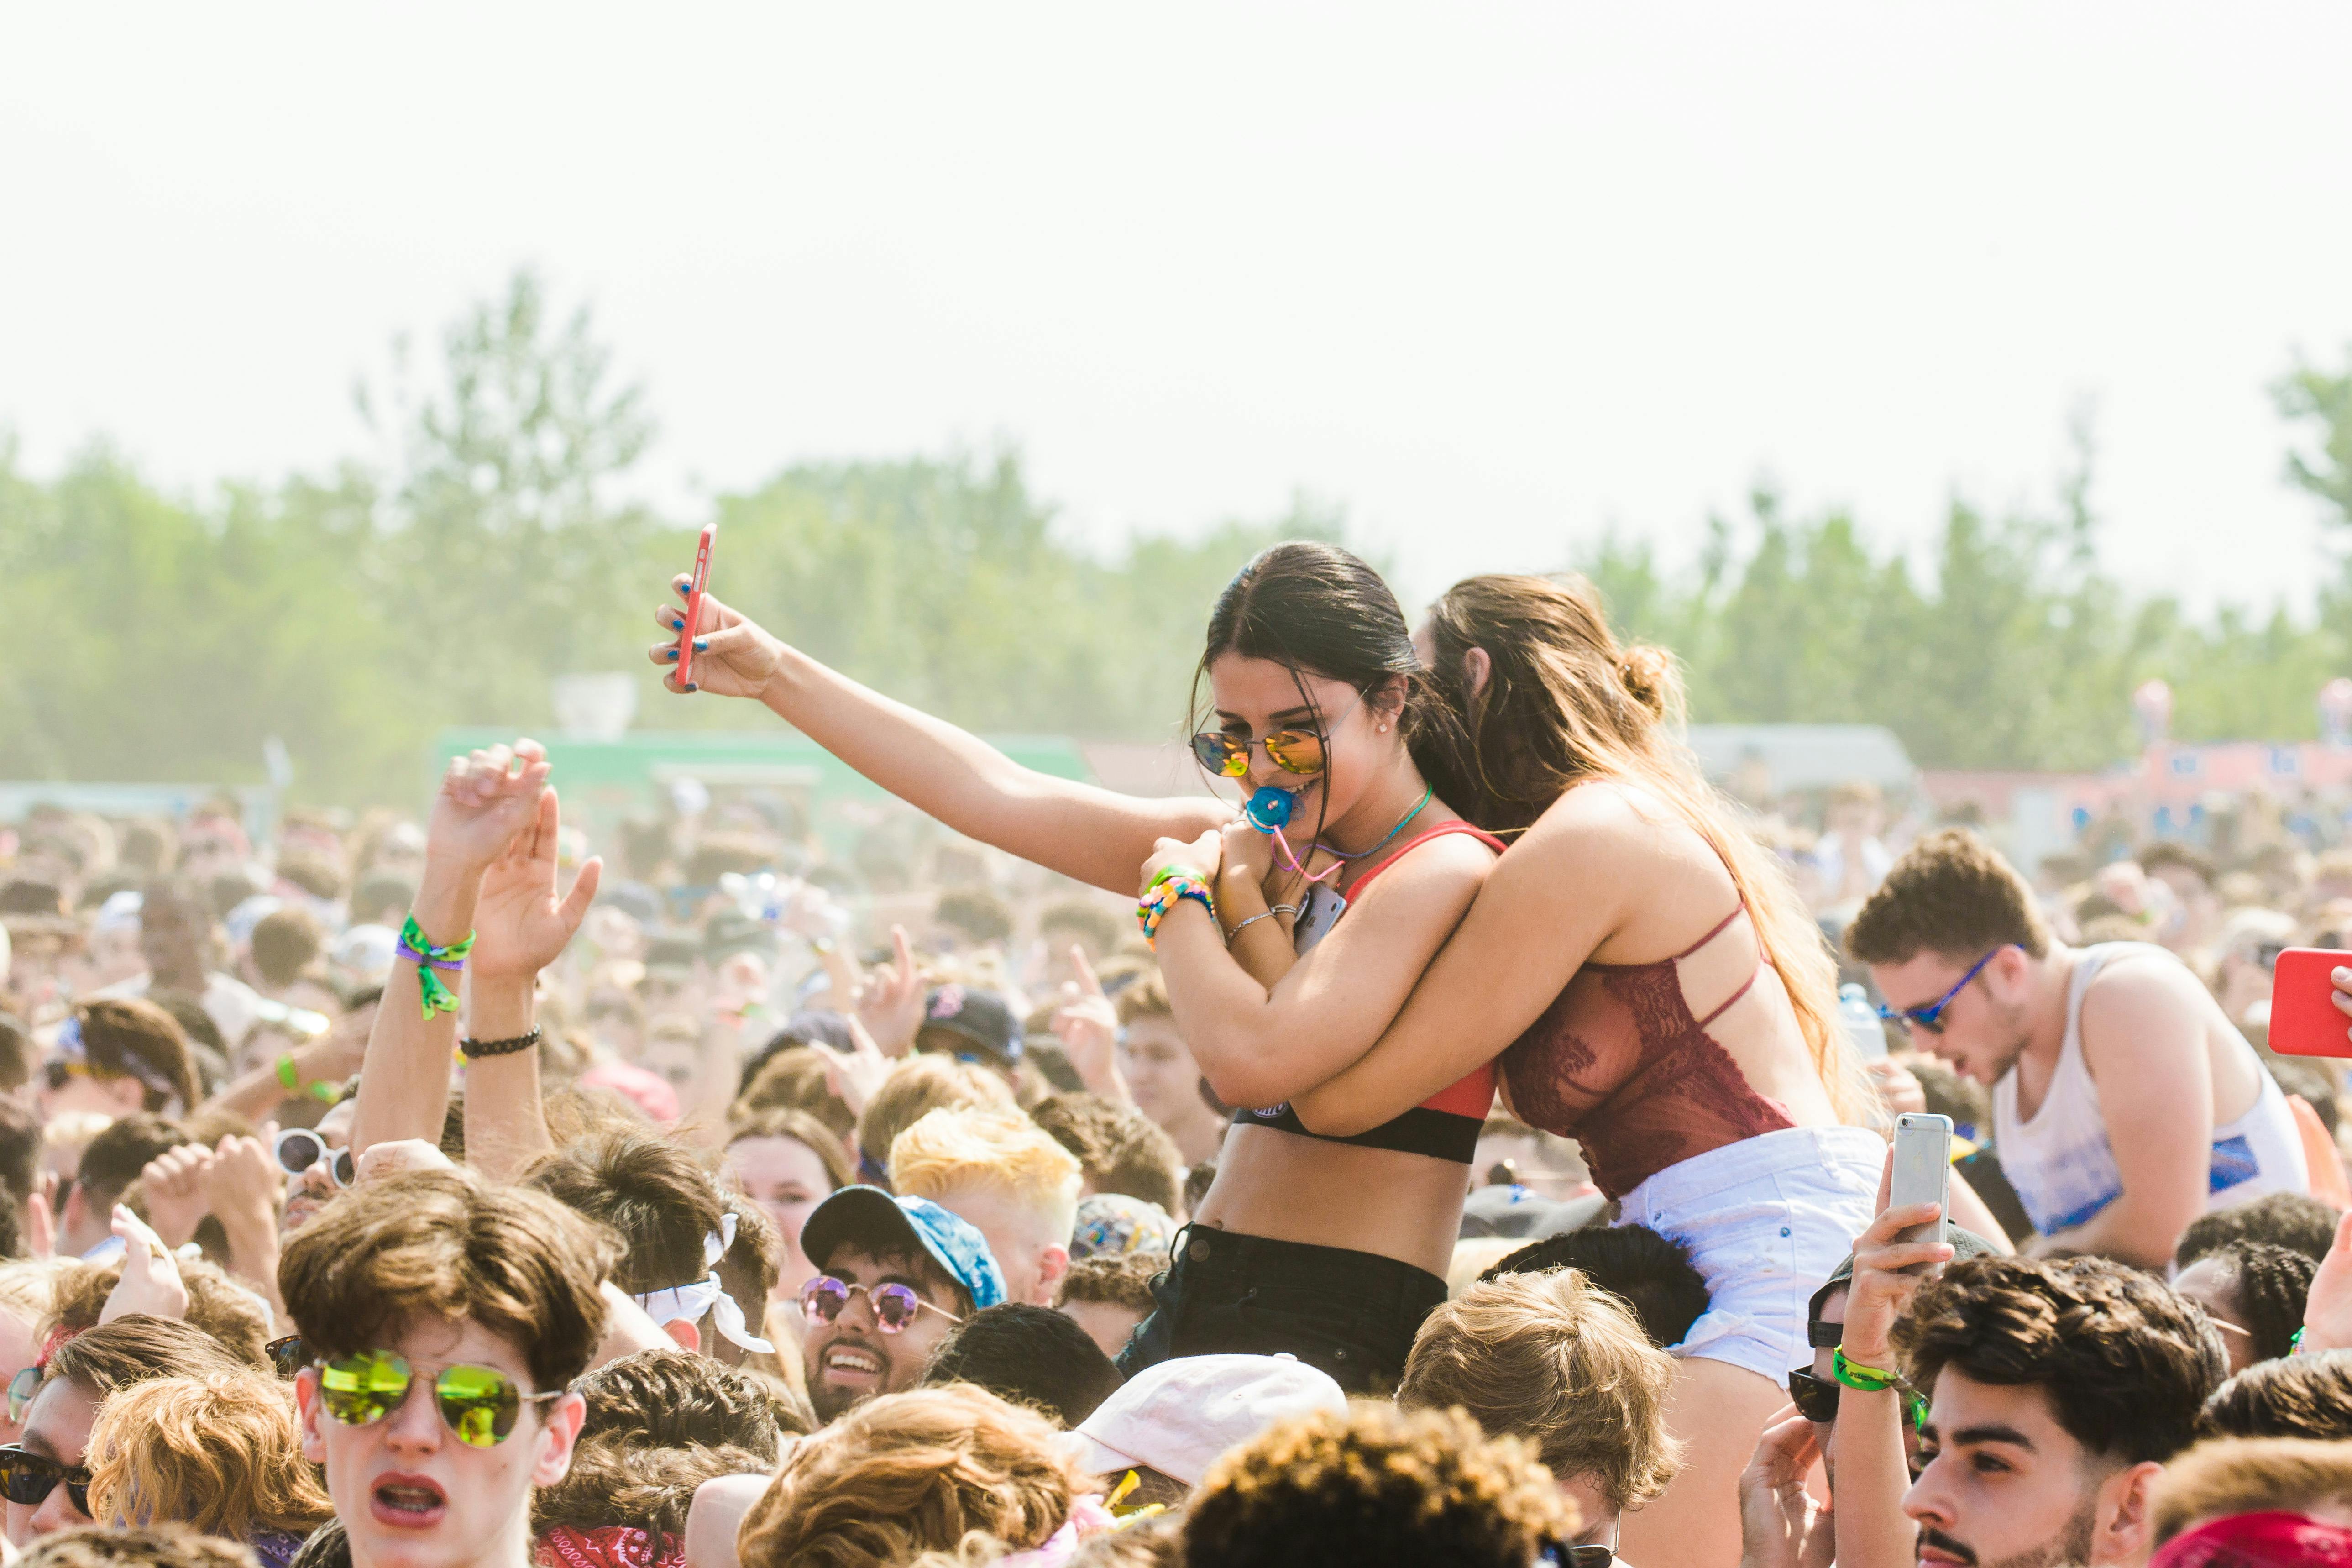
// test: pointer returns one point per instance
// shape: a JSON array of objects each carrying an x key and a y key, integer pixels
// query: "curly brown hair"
[
  {"x": 2301, "y": 1396},
  {"x": 1952, "y": 894},
  {"x": 1119, "y": 1149},
  {"x": 909, "y": 1473},
  {"x": 442, "y": 1244},
  {"x": 676, "y": 1399},
  {"x": 1119, "y": 1280},
  {"x": 618, "y": 1482},
  {"x": 1378, "y": 1486},
  {"x": 2126, "y": 1364}
]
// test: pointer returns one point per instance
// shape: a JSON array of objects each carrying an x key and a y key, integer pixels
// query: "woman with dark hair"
[{"x": 1332, "y": 1249}]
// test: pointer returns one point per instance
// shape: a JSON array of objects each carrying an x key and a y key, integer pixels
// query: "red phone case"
[{"x": 2303, "y": 1021}]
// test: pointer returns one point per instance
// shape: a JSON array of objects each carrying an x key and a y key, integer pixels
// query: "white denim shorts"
[{"x": 1764, "y": 1221}]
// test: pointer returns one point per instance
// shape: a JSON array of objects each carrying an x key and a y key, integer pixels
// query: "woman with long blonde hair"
[{"x": 1654, "y": 988}]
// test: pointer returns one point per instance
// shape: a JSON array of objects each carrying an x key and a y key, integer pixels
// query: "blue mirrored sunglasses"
[{"x": 1931, "y": 1016}]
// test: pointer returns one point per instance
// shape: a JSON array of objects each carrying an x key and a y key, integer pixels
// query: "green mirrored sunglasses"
[{"x": 479, "y": 1403}]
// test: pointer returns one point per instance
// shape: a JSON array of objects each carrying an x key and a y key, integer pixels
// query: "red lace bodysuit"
[{"x": 1619, "y": 1063}]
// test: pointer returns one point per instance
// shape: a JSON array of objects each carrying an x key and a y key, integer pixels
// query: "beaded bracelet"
[
  {"x": 474, "y": 1051},
  {"x": 1172, "y": 888}
]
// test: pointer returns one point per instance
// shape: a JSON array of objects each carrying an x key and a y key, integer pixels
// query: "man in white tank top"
[{"x": 2125, "y": 1102}]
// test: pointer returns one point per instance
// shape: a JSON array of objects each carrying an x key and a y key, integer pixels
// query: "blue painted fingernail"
[
  {"x": 702, "y": 645},
  {"x": 669, "y": 653},
  {"x": 684, "y": 590},
  {"x": 689, "y": 686},
  {"x": 677, "y": 624}
]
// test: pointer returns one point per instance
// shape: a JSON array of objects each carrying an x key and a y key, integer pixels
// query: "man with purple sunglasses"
[{"x": 894, "y": 1275}]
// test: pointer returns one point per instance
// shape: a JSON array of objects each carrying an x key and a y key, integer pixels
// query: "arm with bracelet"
[
  {"x": 1874, "y": 1468},
  {"x": 521, "y": 926},
  {"x": 485, "y": 800}
]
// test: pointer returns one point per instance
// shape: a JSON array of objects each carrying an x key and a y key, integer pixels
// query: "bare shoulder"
[
  {"x": 1453, "y": 861},
  {"x": 2139, "y": 997}
]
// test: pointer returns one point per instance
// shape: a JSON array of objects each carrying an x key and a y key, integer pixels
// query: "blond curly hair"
[
  {"x": 222, "y": 1453},
  {"x": 904, "y": 1474}
]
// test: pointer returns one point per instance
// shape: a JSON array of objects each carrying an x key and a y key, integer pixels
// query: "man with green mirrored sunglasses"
[{"x": 442, "y": 1321}]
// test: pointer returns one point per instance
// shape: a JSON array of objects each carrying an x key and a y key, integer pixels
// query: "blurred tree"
[{"x": 501, "y": 543}]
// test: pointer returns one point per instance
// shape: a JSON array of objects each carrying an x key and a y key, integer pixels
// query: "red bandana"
[
  {"x": 2259, "y": 1541},
  {"x": 612, "y": 1547}
]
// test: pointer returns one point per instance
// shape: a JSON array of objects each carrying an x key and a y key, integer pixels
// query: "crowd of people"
[{"x": 1055, "y": 1176}]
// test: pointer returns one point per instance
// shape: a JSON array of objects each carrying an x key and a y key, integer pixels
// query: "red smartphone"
[
  {"x": 694, "y": 592},
  {"x": 2304, "y": 1022}
]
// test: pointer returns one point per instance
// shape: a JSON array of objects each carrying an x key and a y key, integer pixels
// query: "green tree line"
[{"x": 149, "y": 636}]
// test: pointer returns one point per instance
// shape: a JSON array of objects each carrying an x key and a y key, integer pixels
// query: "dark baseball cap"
[
  {"x": 888, "y": 1226},
  {"x": 979, "y": 1016},
  {"x": 1964, "y": 1244}
]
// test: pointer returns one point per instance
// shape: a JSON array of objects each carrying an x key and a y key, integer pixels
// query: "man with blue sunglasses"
[{"x": 2125, "y": 1103}]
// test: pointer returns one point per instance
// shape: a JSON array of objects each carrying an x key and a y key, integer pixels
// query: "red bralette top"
[{"x": 1619, "y": 1063}]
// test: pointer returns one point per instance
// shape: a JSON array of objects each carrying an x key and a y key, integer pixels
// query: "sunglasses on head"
[
  {"x": 286, "y": 1354},
  {"x": 299, "y": 1150},
  {"x": 895, "y": 1306},
  {"x": 479, "y": 1404},
  {"x": 1931, "y": 1017},
  {"x": 27, "y": 1478},
  {"x": 1816, "y": 1399}
]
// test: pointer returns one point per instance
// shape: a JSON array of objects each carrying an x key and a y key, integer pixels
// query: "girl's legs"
[{"x": 1718, "y": 1411}]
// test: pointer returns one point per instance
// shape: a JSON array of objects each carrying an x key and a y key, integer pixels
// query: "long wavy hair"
[{"x": 1565, "y": 703}]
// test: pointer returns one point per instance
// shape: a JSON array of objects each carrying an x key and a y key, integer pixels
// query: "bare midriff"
[{"x": 1287, "y": 1188}]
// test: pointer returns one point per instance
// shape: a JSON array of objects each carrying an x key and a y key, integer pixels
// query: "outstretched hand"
[
  {"x": 485, "y": 799},
  {"x": 519, "y": 924},
  {"x": 732, "y": 656}
]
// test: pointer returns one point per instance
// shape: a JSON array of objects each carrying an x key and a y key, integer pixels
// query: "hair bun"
[{"x": 1648, "y": 675}]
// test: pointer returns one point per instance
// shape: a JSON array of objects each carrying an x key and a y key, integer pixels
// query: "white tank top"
[{"x": 2061, "y": 1162}]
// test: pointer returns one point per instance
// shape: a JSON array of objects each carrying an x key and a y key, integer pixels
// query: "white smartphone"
[{"x": 1922, "y": 1174}]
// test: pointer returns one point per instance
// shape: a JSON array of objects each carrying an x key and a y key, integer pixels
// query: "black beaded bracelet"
[{"x": 474, "y": 1049}]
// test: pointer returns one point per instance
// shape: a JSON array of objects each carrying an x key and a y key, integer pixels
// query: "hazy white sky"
[{"x": 1493, "y": 278}]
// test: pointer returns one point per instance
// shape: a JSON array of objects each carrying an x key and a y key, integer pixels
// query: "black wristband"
[{"x": 473, "y": 1050}]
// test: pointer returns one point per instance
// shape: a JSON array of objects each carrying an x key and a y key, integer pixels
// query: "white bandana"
[{"x": 687, "y": 1303}]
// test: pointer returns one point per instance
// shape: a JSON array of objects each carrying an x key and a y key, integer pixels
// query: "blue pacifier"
[{"x": 1268, "y": 809}]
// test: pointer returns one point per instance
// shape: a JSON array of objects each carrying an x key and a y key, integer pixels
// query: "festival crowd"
[{"x": 1043, "y": 1176}]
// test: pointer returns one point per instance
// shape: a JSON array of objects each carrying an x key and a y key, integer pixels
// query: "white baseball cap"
[{"x": 1176, "y": 1417}]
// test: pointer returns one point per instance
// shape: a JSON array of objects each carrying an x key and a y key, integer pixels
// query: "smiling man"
[
  {"x": 894, "y": 1275},
  {"x": 2056, "y": 1391},
  {"x": 445, "y": 1321},
  {"x": 2125, "y": 1102}
]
